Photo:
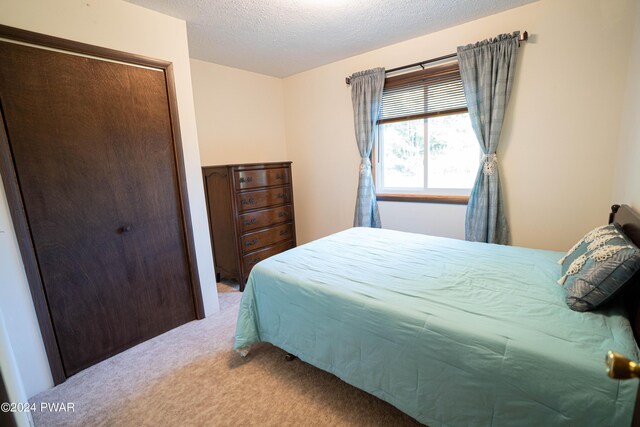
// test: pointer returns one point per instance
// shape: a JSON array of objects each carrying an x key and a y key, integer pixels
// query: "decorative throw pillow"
[
  {"x": 599, "y": 234},
  {"x": 601, "y": 265}
]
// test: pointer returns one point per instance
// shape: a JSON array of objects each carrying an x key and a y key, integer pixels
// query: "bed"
[{"x": 452, "y": 333}]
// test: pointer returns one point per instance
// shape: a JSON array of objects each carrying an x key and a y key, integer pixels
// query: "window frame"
[{"x": 414, "y": 196}]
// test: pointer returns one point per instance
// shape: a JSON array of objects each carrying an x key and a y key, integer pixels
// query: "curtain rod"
[{"x": 523, "y": 37}]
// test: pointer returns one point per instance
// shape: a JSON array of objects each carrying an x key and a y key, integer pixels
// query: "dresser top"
[{"x": 241, "y": 166}]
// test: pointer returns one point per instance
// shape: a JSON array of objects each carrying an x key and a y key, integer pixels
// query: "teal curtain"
[
  {"x": 487, "y": 69},
  {"x": 366, "y": 96}
]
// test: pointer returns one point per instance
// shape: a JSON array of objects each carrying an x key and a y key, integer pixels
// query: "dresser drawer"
[
  {"x": 252, "y": 241},
  {"x": 263, "y": 198},
  {"x": 261, "y": 178},
  {"x": 260, "y": 219},
  {"x": 248, "y": 261}
]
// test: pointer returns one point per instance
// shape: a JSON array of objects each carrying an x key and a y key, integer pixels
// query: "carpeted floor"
[{"x": 190, "y": 376}]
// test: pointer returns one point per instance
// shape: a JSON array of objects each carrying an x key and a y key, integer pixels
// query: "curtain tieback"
[
  {"x": 490, "y": 164},
  {"x": 364, "y": 165}
]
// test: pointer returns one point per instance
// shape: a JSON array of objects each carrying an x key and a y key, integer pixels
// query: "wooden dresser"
[{"x": 251, "y": 218}]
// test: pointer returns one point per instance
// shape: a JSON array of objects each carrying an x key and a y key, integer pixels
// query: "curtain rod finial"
[
  {"x": 347, "y": 80},
  {"x": 524, "y": 36}
]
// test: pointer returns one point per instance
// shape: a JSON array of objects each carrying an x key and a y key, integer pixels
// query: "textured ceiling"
[{"x": 284, "y": 37}]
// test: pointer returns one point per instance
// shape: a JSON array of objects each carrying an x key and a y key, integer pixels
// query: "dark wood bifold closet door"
[{"x": 94, "y": 157}]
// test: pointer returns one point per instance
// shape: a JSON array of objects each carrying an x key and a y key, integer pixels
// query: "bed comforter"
[{"x": 452, "y": 333}]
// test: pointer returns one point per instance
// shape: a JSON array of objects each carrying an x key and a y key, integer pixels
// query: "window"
[{"x": 426, "y": 147}]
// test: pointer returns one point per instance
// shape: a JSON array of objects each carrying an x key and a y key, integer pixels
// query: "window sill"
[{"x": 423, "y": 198}]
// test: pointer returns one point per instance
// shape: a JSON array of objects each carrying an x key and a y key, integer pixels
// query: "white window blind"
[{"x": 422, "y": 94}]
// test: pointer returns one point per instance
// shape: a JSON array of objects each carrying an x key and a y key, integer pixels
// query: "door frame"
[{"x": 14, "y": 194}]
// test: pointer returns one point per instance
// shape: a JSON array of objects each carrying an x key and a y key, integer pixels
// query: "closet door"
[{"x": 93, "y": 151}]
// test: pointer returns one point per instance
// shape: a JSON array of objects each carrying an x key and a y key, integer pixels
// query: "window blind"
[{"x": 421, "y": 94}]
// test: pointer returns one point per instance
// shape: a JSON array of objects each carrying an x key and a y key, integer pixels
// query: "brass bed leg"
[{"x": 290, "y": 357}]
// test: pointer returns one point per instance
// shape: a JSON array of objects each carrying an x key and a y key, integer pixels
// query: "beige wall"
[
  {"x": 627, "y": 184},
  {"x": 240, "y": 115},
  {"x": 10, "y": 371},
  {"x": 122, "y": 26},
  {"x": 559, "y": 141}
]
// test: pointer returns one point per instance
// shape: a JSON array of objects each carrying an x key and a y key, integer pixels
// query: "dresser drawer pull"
[
  {"x": 282, "y": 214},
  {"x": 248, "y": 202},
  {"x": 284, "y": 232},
  {"x": 247, "y": 179},
  {"x": 251, "y": 242},
  {"x": 247, "y": 222},
  {"x": 278, "y": 176},
  {"x": 254, "y": 261},
  {"x": 281, "y": 196}
]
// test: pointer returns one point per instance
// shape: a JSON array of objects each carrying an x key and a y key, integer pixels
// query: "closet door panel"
[{"x": 93, "y": 150}]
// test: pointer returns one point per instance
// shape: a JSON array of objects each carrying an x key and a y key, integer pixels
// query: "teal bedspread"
[{"x": 453, "y": 333}]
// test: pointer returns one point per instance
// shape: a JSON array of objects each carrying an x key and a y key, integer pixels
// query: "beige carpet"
[{"x": 190, "y": 376}]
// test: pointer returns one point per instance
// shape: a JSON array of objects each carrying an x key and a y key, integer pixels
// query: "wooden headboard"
[
  {"x": 628, "y": 219},
  {"x": 630, "y": 222}
]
